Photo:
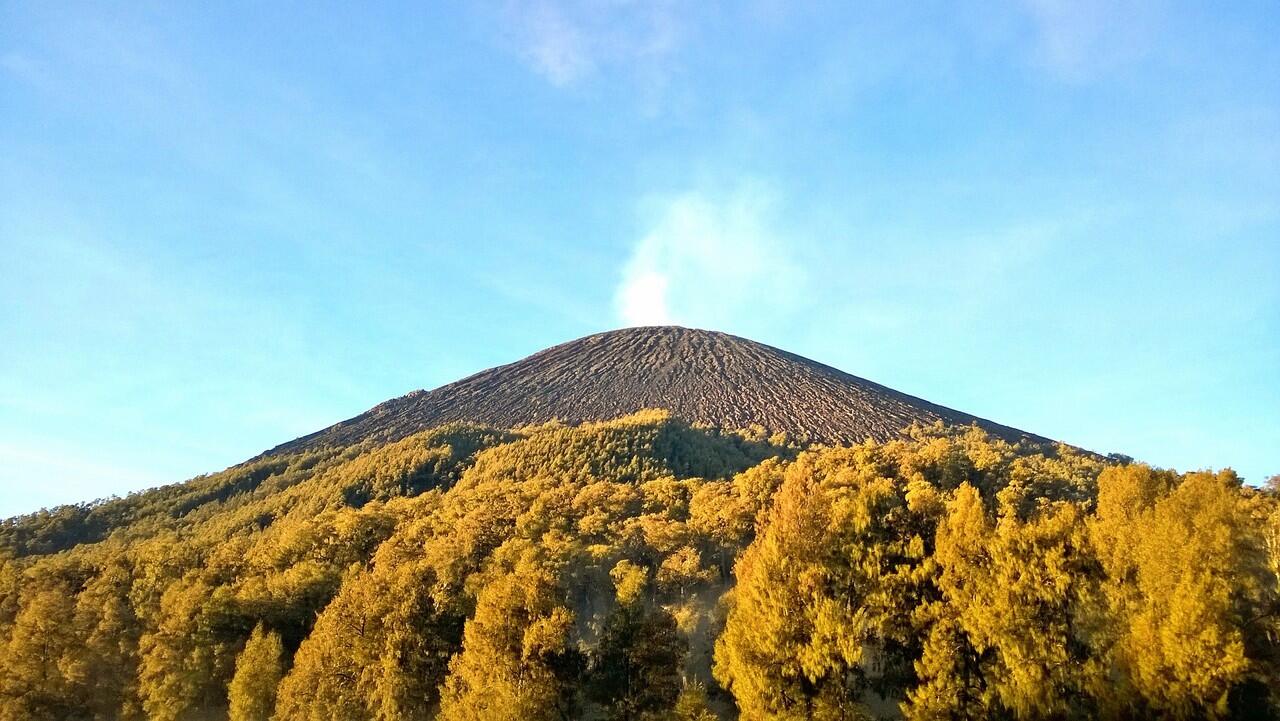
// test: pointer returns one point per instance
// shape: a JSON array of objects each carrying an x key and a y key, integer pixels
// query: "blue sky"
[{"x": 225, "y": 225}]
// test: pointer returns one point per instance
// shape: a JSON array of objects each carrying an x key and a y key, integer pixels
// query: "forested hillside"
[{"x": 646, "y": 568}]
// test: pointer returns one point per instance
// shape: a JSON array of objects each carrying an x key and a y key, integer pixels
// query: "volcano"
[{"x": 701, "y": 376}]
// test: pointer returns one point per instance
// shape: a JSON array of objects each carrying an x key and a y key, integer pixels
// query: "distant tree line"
[{"x": 644, "y": 569}]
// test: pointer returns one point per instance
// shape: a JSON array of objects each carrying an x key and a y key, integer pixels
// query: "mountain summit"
[{"x": 699, "y": 375}]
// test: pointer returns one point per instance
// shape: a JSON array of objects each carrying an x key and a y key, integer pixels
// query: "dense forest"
[{"x": 648, "y": 569}]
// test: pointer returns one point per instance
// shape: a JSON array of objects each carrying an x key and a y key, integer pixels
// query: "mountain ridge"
[{"x": 703, "y": 376}]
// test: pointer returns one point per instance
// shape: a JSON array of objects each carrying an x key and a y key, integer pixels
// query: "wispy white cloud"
[
  {"x": 569, "y": 41},
  {"x": 22, "y": 68},
  {"x": 556, "y": 47},
  {"x": 708, "y": 260},
  {"x": 1078, "y": 39}
]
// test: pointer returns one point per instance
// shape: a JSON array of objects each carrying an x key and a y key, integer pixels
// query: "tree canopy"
[{"x": 647, "y": 569}]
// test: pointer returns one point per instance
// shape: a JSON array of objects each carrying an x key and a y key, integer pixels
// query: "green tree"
[
  {"x": 692, "y": 705},
  {"x": 636, "y": 670}
]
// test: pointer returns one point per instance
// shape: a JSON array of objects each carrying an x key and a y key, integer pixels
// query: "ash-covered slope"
[{"x": 701, "y": 376}]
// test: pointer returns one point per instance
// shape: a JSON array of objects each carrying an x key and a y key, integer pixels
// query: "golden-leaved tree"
[
  {"x": 516, "y": 661},
  {"x": 1188, "y": 591},
  {"x": 251, "y": 694},
  {"x": 650, "y": 570},
  {"x": 1017, "y": 613}
]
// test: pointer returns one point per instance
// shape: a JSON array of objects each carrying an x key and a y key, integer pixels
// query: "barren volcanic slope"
[{"x": 699, "y": 375}]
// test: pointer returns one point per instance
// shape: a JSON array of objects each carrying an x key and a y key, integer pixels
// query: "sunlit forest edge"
[{"x": 648, "y": 569}]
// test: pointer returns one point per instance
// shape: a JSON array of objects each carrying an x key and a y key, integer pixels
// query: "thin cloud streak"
[
  {"x": 568, "y": 43},
  {"x": 1076, "y": 40}
]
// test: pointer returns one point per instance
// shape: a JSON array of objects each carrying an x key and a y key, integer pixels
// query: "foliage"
[
  {"x": 252, "y": 692},
  {"x": 644, "y": 568}
]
